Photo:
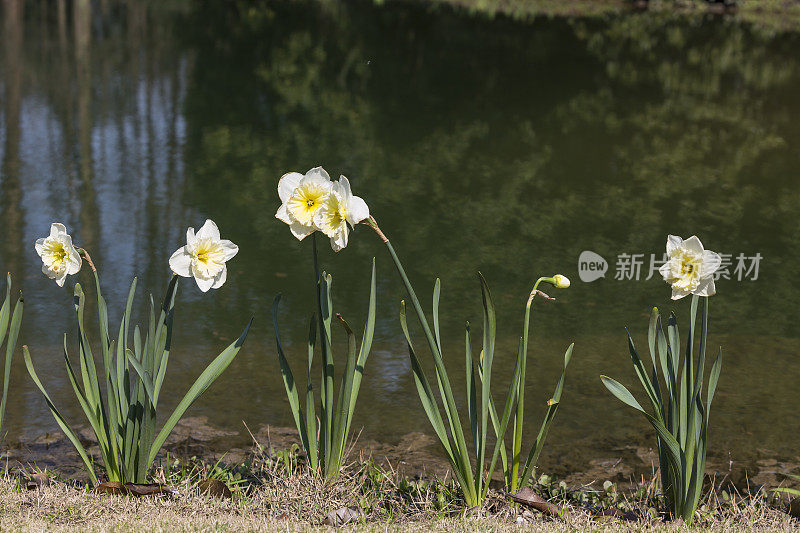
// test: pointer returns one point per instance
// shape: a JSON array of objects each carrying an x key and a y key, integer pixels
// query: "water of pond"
[{"x": 479, "y": 143}]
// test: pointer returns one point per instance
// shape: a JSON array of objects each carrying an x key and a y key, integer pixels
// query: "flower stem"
[
  {"x": 471, "y": 494},
  {"x": 87, "y": 257},
  {"x": 518, "y": 418}
]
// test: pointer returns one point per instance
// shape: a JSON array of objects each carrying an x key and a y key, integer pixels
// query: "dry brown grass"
[{"x": 281, "y": 499}]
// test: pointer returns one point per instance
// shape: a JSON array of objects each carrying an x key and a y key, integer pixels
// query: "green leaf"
[
  {"x": 429, "y": 403},
  {"x": 621, "y": 392},
  {"x": 489, "y": 334},
  {"x": 209, "y": 375},
  {"x": 60, "y": 420},
  {"x": 552, "y": 409},
  {"x": 144, "y": 376},
  {"x": 11, "y": 344},
  {"x": 641, "y": 373},
  {"x": 365, "y": 348},
  {"x": 289, "y": 381},
  {"x": 342, "y": 404},
  {"x": 311, "y": 417},
  {"x": 437, "y": 287},
  {"x": 472, "y": 393}
]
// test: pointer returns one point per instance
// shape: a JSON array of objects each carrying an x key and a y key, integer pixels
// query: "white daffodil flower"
[
  {"x": 301, "y": 197},
  {"x": 59, "y": 256},
  {"x": 338, "y": 210},
  {"x": 204, "y": 257},
  {"x": 690, "y": 267}
]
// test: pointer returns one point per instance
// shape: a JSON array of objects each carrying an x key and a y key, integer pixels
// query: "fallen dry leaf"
[
  {"x": 133, "y": 489},
  {"x": 527, "y": 496}
]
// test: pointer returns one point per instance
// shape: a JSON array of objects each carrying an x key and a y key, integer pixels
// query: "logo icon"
[{"x": 591, "y": 266}]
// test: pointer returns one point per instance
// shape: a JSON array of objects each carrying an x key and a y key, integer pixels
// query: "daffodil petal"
[
  {"x": 61, "y": 278},
  {"x": 711, "y": 262},
  {"x": 301, "y": 231},
  {"x": 317, "y": 175},
  {"x": 208, "y": 231},
  {"x": 344, "y": 187},
  {"x": 693, "y": 244},
  {"x": 74, "y": 262},
  {"x": 283, "y": 214},
  {"x": 357, "y": 210},
  {"x": 57, "y": 229},
  {"x": 339, "y": 239},
  {"x": 204, "y": 283},
  {"x": 220, "y": 278},
  {"x": 181, "y": 262},
  {"x": 673, "y": 243},
  {"x": 287, "y": 184},
  {"x": 706, "y": 287},
  {"x": 40, "y": 246},
  {"x": 677, "y": 294},
  {"x": 228, "y": 250},
  {"x": 191, "y": 238}
]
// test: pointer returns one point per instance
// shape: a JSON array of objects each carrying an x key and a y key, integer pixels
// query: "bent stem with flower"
[
  {"x": 123, "y": 413},
  {"x": 475, "y": 482},
  {"x": 312, "y": 203},
  {"x": 679, "y": 415},
  {"x": 513, "y": 481}
]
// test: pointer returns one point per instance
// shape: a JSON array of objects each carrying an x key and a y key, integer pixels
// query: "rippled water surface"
[{"x": 479, "y": 143}]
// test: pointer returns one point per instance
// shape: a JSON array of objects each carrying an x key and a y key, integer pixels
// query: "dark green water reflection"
[{"x": 498, "y": 145}]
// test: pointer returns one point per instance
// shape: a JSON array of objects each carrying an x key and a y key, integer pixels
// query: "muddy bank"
[{"x": 417, "y": 455}]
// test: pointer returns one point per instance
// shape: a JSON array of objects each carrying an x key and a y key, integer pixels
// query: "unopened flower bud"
[{"x": 561, "y": 281}]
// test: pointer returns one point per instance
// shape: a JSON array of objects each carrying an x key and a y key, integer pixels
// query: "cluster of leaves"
[
  {"x": 680, "y": 416},
  {"x": 325, "y": 441},
  {"x": 122, "y": 407}
]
